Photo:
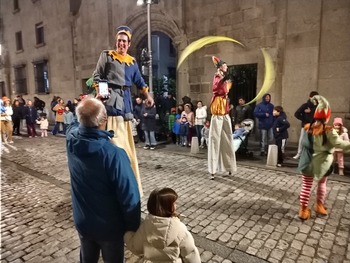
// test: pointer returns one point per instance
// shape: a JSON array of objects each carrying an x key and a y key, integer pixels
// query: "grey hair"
[{"x": 91, "y": 112}]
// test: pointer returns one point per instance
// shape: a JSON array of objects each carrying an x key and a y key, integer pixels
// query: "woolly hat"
[
  {"x": 323, "y": 111},
  {"x": 125, "y": 30},
  {"x": 338, "y": 121},
  {"x": 217, "y": 62}
]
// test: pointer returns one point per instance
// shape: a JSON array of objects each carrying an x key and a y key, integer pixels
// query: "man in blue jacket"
[
  {"x": 105, "y": 195},
  {"x": 264, "y": 113}
]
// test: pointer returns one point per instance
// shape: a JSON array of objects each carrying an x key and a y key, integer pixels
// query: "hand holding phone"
[{"x": 103, "y": 89}]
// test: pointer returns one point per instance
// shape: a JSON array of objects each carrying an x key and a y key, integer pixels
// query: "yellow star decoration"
[{"x": 129, "y": 60}]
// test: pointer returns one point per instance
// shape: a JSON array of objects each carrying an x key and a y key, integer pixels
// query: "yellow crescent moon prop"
[
  {"x": 201, "y": 43},
  {"x": 269, "y": 76}
]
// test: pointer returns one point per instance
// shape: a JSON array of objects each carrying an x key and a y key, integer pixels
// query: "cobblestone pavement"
[{"x": 250, "y": 216}]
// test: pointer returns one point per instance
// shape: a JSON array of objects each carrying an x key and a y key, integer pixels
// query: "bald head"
[{"x": 91, "y": 113}]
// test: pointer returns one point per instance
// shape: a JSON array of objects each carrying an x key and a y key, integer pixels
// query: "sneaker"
[
  {"x": 10, "y": 142},
  {"x": 152, "y": 148},
  {"x": 146, "y": 147},
  {"x": 279, "y": 165},
  {"x": 296, "y": 156}
]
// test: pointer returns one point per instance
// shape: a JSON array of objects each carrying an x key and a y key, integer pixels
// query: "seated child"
[
  {"x": 205, "y": 134},
  {"x": 239, "y": 131},
  {"x": 162, "y": 237}
]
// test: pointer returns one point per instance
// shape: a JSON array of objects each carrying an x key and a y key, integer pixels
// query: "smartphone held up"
[{"x": 103, "y": 89}]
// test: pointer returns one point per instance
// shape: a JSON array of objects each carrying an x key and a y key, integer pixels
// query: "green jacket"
[{"x": 322, "y": 157}]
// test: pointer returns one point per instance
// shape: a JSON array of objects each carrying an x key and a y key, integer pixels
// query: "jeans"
[
  {"x": 266, "y": 137},
  {"x": 198, "y": 132},
  {"x": 112, "y": 251},
  {"x": 281, "y": 145},
  {"x": 56, "y": 128},
  {"x": 150, "y": 139}
]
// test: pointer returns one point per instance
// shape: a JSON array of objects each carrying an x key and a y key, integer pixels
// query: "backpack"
[
  {"x": 305, "y": 161},
  {"x": 306, "y": 154}
]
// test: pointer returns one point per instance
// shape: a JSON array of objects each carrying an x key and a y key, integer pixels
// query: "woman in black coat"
[{"x": 16, "y": 117}]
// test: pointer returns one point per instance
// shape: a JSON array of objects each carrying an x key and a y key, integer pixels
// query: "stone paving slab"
[{"x": 248, "y": 217}]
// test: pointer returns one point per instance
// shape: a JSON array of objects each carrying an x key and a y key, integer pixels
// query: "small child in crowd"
[
  {"x": 68, "y": 117},
  {"x": 162, "y": 237},
  {"x": 205, "y": 134},
  {"x": 184, "y": 127},
  {"x": 338, "y": 153},
  {"x": 44, "y": 124},
  {"x": 171, "y": 120},
  {"x": 176, "y": 129},
  {"x": 279, "y": 128},
  {"x": 200, "y": 118}
]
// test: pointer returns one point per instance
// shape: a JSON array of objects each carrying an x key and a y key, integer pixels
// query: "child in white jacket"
[
  {"x": 338, "y": 153},
  {"x": 162, "y": 237}
]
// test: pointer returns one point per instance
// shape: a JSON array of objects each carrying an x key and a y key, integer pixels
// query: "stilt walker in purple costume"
[
  {"x": 221, "y": 155},
  {"x": 121, "y": 71}
]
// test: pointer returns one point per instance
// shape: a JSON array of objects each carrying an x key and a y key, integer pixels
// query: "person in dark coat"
[
  {"x": 149, "y": 124},
  {"x": 263, "y": 112},
  {"x": 280, "y": 132},
  {"x": 139, "y": 106},
  {"x": 39, "y": 104},
  {"x": 30, "y": 115},
  {"x": 16, "y": 117},
  {"x": 305, "y": 113},
  {"x": 242, "y": 111}
]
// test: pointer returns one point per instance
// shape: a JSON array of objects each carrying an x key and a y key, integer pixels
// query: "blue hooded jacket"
[
  {"x": 105, "y": 195},
  {"x": 260, "y": 111}
]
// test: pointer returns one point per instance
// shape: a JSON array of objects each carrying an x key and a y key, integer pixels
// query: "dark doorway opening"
[
  {"x": 244, "y": 78},
  {"x": 163, "y": 62}
]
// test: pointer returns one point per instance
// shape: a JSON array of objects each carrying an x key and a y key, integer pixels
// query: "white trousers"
[{"x": 221, "y": 154}]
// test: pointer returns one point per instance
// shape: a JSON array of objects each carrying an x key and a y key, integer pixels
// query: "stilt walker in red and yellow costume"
[{"x": 221, "y": 155}]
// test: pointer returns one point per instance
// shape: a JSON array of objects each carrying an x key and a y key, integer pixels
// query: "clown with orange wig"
[
  {"x": 221, "y": 155},
  {"x": 316, "y": 161}
]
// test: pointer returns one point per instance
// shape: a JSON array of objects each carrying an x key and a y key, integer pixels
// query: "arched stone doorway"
[{"x": 164, "y": 27}]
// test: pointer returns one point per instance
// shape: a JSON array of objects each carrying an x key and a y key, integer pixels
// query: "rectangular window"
[
  {"x": 41, "y": 77},
  {"x": 39, "y": 33},
  {"x": 19, "y": 43},
  {"x": 15, "y": 5},
  {"x": 21, "y": 79}
]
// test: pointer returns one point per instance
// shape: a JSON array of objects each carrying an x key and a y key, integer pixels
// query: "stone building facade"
[{"x": 309, "y": 41}]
